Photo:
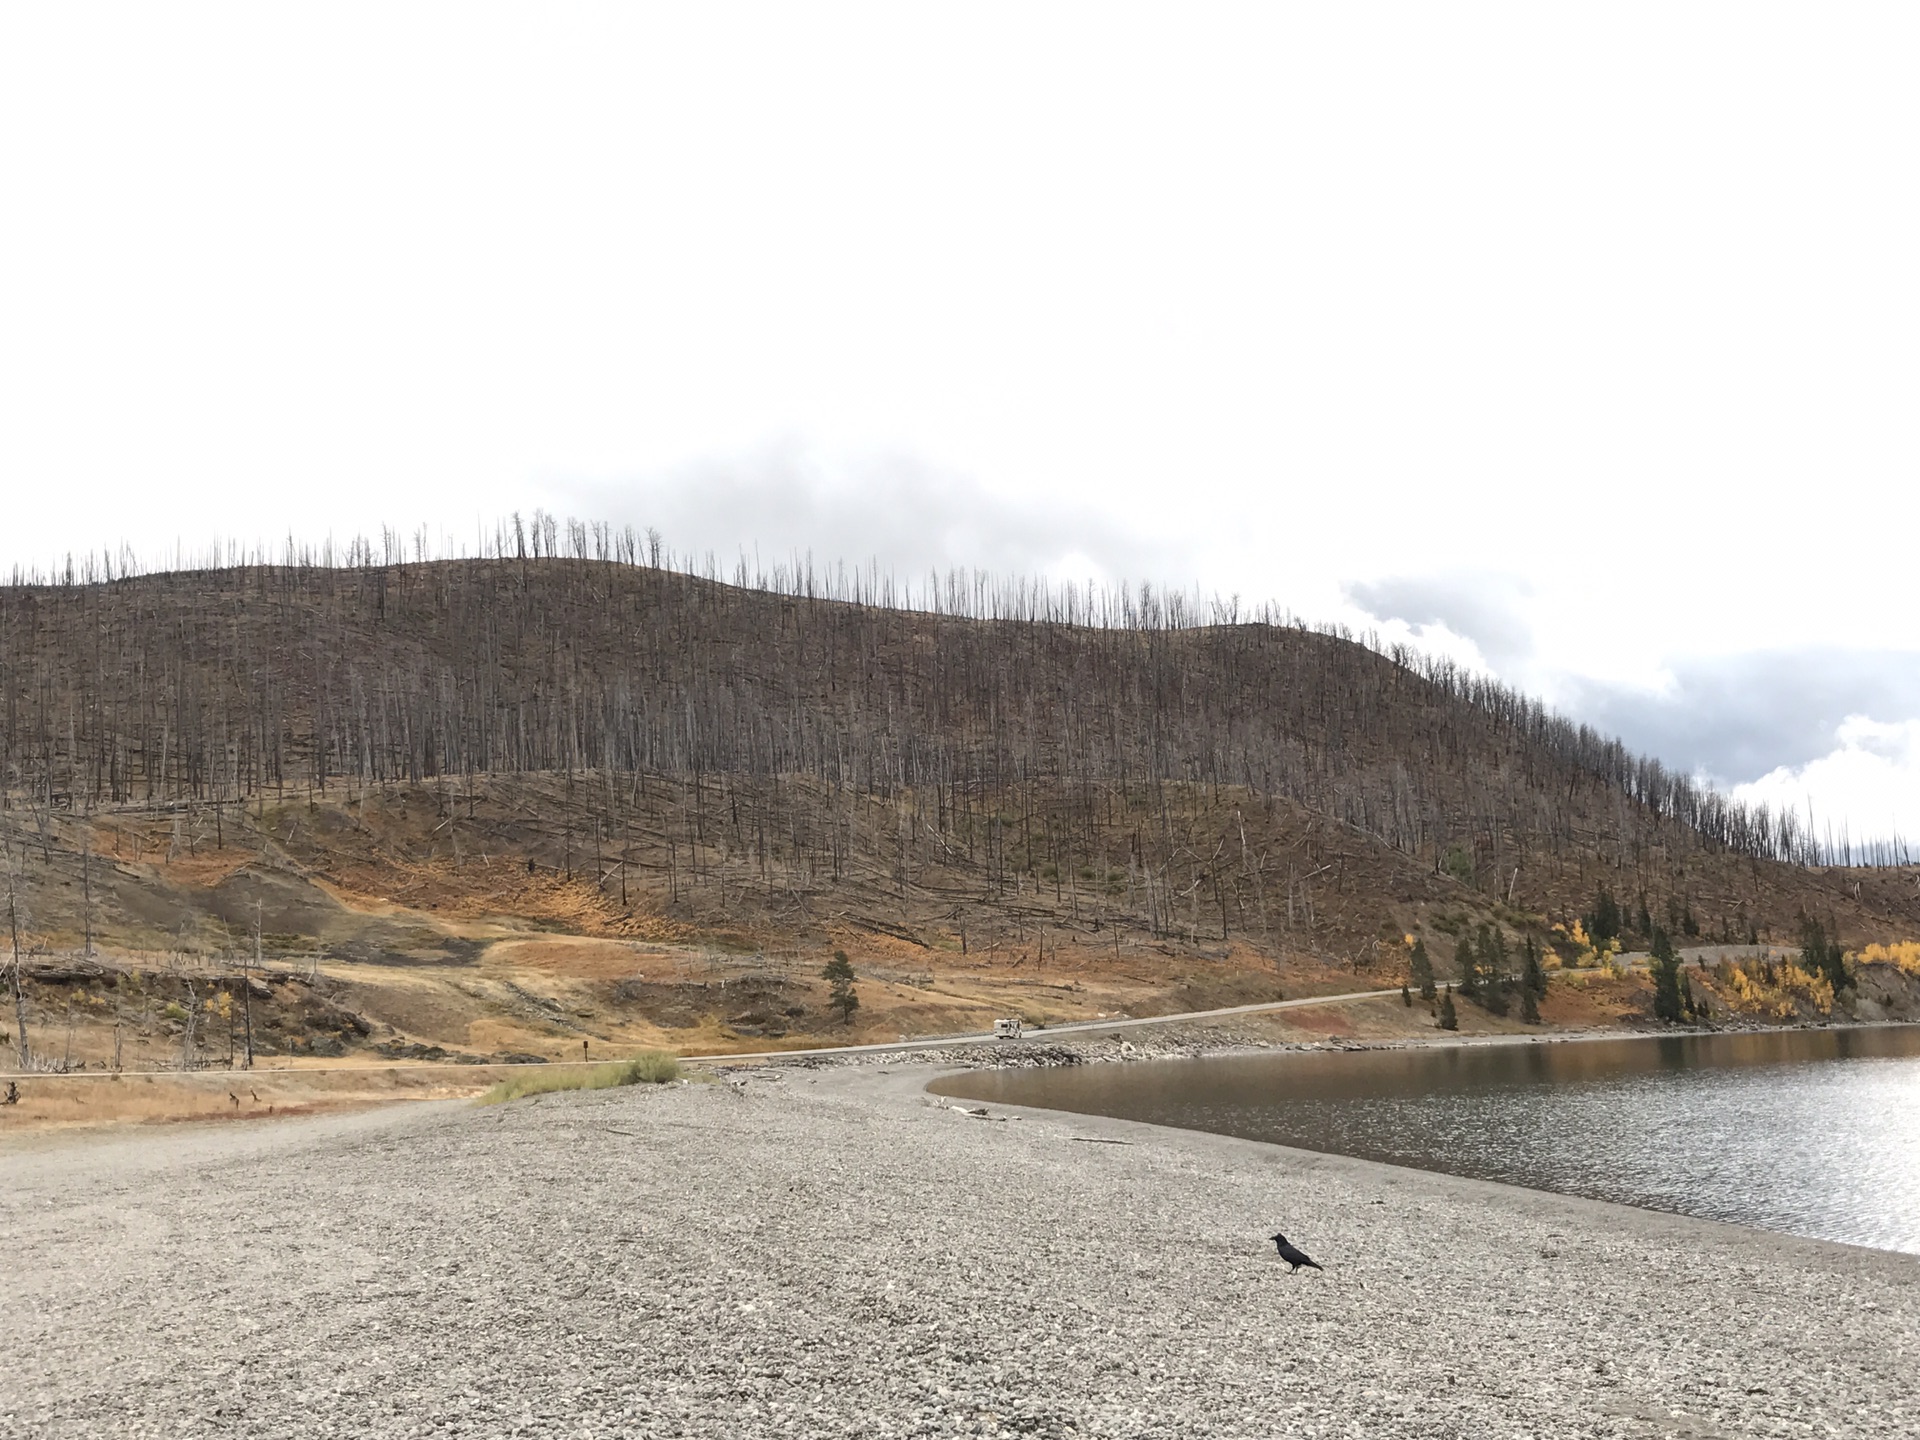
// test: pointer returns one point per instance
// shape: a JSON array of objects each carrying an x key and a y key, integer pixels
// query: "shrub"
[
  {"x": 1776, "y": 989},
  {"x": 1904, "y": 954},
  {"x": 649, "y": 1067},
  {"x": 1823, "y": 956}
]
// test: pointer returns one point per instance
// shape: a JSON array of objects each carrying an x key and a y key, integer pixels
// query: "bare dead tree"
[
  {"x": 1126, "y": 758},
  {"x": 187, "y": 1050},
  {"x": 86, "y": 890},
  {"x": 24, "y": 1054}
]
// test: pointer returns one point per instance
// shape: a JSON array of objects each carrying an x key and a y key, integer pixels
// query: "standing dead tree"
[
  {"x": 1126, "y": 756},
  {"x": 23, "y": 1054}
]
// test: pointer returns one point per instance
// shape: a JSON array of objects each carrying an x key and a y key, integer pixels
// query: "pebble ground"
[{"x": 834, "y": 1253}]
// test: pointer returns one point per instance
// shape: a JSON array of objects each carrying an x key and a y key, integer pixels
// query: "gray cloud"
[
  {"x": 1486, "y": 609},
  {"x": 1736, "y": 717},
  {"x": 908, "y": 516},
  {"x": 1732, "y": 717}
]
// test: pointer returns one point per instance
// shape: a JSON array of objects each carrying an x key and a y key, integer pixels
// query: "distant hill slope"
[{"x": 1150, "y": 775}]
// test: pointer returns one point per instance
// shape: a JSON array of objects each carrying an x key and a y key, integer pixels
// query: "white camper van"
[{"x": 1006, "y": 1029}]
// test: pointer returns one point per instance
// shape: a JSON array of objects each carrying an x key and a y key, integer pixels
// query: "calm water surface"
[{"x": 1811, "y": 1132}]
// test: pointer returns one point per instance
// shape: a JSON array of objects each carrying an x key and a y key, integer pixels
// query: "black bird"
[{"x": 1293, "y": 1255}]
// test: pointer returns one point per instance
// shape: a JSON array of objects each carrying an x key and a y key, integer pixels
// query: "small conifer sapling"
[{"x": 839, "y": 972}]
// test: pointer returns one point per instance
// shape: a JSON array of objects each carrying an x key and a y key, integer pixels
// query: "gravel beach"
[{"x": 833, "y": 1252}]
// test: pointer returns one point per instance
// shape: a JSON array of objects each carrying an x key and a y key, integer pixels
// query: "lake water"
[{"x": 1812, "y": 1132}]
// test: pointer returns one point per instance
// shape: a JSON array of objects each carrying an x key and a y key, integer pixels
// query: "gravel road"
[{"x": 829, "y": 1253}]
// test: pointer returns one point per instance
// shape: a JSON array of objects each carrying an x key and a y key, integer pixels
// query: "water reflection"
[{"x": 1812, "y": 1132}]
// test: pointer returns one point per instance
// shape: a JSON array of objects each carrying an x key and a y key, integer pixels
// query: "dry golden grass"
[
  {"x": 649, "y": 1067},
  {"x": 476, "y": 890},
  {"x": 584, "y": 958}
]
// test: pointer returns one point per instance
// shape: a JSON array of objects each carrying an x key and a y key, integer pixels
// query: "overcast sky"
[{"x": 1580, "y": 342}]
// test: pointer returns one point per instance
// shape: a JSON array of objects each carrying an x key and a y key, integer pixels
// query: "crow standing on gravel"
[{"x": 1293, "y": 1255}]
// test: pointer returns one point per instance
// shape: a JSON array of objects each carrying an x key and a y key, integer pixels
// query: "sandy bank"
[{"x": 835, "y": 1253}]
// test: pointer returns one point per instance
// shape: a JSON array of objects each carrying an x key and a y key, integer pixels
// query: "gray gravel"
[{"x": 834, "y": 1253}]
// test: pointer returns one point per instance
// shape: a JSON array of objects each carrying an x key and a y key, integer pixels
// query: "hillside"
[{"x": 504, "y": 806}]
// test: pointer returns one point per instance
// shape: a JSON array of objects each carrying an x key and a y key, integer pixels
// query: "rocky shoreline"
[
  {"x": 1198, "y": 1041},
  {"x": 830, "y": 1252}
]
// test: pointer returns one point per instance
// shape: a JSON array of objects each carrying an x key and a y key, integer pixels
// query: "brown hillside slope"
[{"x": 404, "y": 777}]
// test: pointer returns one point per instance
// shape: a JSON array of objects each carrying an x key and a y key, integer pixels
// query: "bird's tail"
[{"x": 1315, "y": 1264}]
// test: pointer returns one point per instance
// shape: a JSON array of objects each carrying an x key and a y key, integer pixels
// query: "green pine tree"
[
  {"x": 1466, "y": 964},
  {"x": 1422, "y": 968},
  {"x": 1449, "y": 1017},
  {"x": 1604, "y": 923},
  {"x": 1667, "y": 1003},
  {"x": 840, "y": 972},
  {"x": 1406, "y": 995},
  {"x": 1529, "y": 1005},
  {"x": 1822, "y": 956},
  {"x": 1534, "y": 978},
  {"x": 1493, "y": 970}
]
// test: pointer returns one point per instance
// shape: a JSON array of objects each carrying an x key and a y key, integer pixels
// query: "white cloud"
[
  {"x": 1275, "y": 299},
  {"x": 1870, "y": 782},
  {"x": 782, "y": 501}
]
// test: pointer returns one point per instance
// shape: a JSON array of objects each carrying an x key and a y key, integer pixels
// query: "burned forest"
[{"x": 577, "y": 734}]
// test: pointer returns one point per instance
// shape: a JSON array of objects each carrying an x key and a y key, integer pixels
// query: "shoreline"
[
  {"x": 969, "y": 1088},
  {"x": 1035, "y": 1051},
  {"x": 821, "y": 1252},
  {"x": 1368, "y": 1170},
  {"x": 191, "y": 1098}
]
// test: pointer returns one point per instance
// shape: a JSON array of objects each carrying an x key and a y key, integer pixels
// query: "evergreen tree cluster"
[
  {"x": 1608, "y": 920},
  {"x": 1822, "y": 955},
  {"x": 1485, "y": 967}
]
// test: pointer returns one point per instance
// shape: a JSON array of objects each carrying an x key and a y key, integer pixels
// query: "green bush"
[{"x": 649, "y": 1067}]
